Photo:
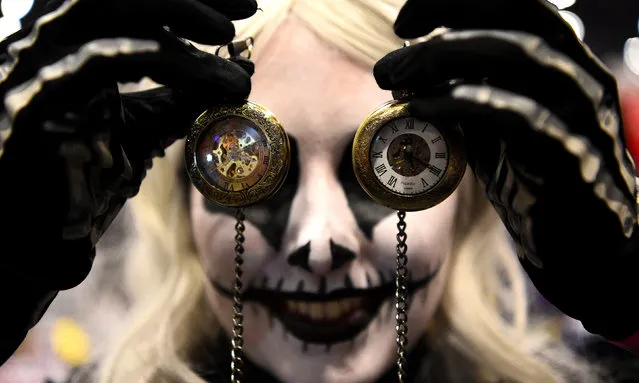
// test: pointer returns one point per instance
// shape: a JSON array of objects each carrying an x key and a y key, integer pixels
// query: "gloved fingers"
[
  {"x": 80, "y": 150},
  {"x": 153, "y": 120},
  {"x": 519, "y": 63},
  {"x": 156, "y": 118},
  {"x": 176, "y": 103},
  {"x": 125, "y": 60},
  {"x": 495, "y": 56},
  {"x": 537, "y": 17},
  {"x": 79, "y": 22},
  {"x": 189, "y": 19},
  {"x": 245, "y": 63},
  {"x": 538, "y": 143},
  {"x": 233, "y": 9},
  {"x": 417, "y": 18}
]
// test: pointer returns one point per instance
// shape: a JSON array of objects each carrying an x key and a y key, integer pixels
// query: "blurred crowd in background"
[{"x": 81, "y": 321}]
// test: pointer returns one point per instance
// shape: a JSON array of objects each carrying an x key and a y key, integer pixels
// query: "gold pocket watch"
[
  {"x": 405, "y": 163},
  {"x": 237, "y": 155}
]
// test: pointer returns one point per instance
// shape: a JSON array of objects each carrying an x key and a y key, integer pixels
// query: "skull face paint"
[{"x": 320, "y": 255}]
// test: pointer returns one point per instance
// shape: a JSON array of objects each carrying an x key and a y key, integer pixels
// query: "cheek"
[
  {"x": 257, "y": 322},
  {"x": 214, "y": 237},
  {"x": 429, "y": 241}
]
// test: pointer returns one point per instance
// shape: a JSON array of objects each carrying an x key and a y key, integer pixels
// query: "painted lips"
[
  {"x": 327, "y": 321},
  {"x": 328, "y": 318}
]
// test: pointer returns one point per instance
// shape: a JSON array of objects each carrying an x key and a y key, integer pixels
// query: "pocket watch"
[
  {"x": 237, "y": 154},
  {"x": 405, "y": 163}
]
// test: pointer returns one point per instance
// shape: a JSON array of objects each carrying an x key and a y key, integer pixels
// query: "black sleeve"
[{"x": 23, "y": 306}]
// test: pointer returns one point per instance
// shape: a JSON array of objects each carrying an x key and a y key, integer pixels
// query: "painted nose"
[
  {"x": 323, "y": 234},
  {"x": 340, "y": 256}
]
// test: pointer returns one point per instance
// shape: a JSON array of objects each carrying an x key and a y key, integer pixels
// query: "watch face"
[
  {"x": 409, "y": 156},
  {"x": 233, "y": 154}
]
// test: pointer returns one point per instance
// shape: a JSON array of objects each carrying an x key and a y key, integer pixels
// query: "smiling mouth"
[{"x": 329, "y": 318}]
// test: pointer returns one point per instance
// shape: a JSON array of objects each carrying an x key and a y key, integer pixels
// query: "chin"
[{"x": 346, "y": 335}]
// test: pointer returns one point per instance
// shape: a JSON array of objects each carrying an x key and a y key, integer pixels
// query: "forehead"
[{"x": 317, "y": 92}]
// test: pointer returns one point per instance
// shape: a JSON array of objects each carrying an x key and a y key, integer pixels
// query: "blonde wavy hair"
[{"x": 166, "y": 281}]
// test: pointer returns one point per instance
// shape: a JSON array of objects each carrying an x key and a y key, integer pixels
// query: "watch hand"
[
  {"x": 248, "y": 145},
  {"x": 422, "y": 162}
]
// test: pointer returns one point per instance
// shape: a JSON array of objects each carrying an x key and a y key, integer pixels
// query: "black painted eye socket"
[
  {"x": 367, "y": 212},
  {"x": 292, "y": 180}
]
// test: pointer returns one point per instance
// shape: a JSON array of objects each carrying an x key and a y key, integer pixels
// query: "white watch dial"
[{"x": 409, "y": 156}]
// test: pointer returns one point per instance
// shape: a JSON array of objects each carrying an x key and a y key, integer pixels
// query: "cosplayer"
[{"x": 549, "y": 193}]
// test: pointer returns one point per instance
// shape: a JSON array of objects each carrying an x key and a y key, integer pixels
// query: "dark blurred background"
[
  {"x": 611, "y": 29},
  {"x": 607, "y": 24}
]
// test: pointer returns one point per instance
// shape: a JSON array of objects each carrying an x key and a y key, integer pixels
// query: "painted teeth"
[{"x": 324, "y": 310}]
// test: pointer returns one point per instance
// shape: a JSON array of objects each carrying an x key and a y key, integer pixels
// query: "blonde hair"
[{"x": 165, "y": 276}]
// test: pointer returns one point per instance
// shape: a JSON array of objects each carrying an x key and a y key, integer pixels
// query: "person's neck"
[{"x": 216, "y": 360}]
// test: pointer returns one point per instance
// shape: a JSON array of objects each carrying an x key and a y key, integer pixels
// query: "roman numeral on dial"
[
  {"x": 381, "y": 169},
  {"x": 435, "y": 170},
  {"x": 392, "y": 181}
]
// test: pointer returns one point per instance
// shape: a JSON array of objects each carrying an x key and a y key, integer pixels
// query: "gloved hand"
[
  {"x": 72, "y": 149},
  {"x": 541, "y": 119}
]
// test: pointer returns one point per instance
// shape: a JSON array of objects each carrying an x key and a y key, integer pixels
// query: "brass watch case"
[
  {"x": 278, "y": 147},
  {"x": 363, "y": 142}
]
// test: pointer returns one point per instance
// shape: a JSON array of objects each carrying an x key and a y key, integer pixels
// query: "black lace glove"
[
  {"x": 542, "y": 123},
  {"x": 73, "y": 150}
]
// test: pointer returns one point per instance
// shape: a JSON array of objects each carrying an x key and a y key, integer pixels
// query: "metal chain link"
[
  {"x": 237, "y": 343},
  {"x": 401, "y": 297}
]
